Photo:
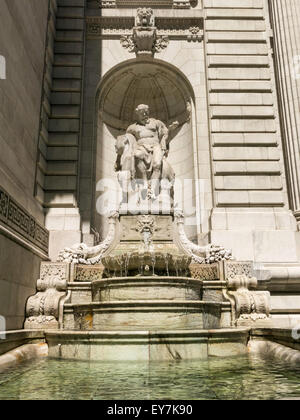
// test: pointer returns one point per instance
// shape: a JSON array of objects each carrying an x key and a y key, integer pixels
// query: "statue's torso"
[{"x": 146, "y": 134}]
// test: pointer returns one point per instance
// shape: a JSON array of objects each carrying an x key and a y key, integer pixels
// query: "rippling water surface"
[{"x": 245, "y": 377}]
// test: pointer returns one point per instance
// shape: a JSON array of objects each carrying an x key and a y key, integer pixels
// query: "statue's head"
[{"x": 142, "y": 113}]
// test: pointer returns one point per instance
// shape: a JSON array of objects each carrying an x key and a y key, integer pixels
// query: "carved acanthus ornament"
[
  {"x": 144, "y": 38},
  {"x": 208, "y": 254},
  {"x": 248, "y": 306},
  {"x": 43, "y": 309},
  {"x": 82, "y": 254},
  {"x": 195, "y": 34}
]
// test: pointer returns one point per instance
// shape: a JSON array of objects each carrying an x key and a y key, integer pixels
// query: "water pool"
[{"x": 246, "y": 377}]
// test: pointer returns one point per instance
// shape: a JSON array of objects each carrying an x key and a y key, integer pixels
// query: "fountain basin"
[
  {"x": 146, "y": 288},
  {"x": 146, "y": 264},
  {"x": 146, "y": 314},
  {"x": 147, "y": 345}
]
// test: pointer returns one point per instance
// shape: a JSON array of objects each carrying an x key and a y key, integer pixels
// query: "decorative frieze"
[
  {"x": 235, "y": 268},
  {"x": 164, "y": 4},
  {"x": 117, "y": 27},
  {"x": 20, "y": 221}
]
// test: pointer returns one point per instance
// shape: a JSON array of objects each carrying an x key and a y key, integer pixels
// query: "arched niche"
[{"x": 170, "y": 98}]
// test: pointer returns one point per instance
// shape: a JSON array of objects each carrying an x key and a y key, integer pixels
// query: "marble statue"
[{"x": 142, "y": 154}]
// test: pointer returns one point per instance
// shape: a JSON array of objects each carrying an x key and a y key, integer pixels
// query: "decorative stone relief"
[
  {"x": 235, "y": 268},
  {"x": 82, "y": 254},
  {"x": 144, "y": 39},
  {"x": 195, "y": 34},
  {"x": 16, "y": 217},
  {"x": 175, "y": 4},
  {"x": 181, "y": 4},
  {"x": 88, "y": 274},
  {"x": 43, "y": 309},
  {"x": 204, "y": 271},
  {"x": 107, "y": 4},
  {"x": 208, "y": 254},
  {"x": 146, "y": 228},
  {"x": 120, "y": 27},
  {"x": 247, "y": 306},
  {"x": 162, "y": 229}
]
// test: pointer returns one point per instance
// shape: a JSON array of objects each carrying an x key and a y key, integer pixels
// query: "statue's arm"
[
  {"x": 164, "y": 135},
  {"x": 131, "y": 130}
]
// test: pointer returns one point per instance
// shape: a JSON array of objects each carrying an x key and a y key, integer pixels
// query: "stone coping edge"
[
  {"x": 21, "y": 354},
  {"x": 148, "y": 333}
]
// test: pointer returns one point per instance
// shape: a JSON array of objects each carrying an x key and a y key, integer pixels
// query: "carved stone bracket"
[
  {"x": 208, "y": 254},
  {"x": 43, "y": 309},
  {"x": 144, "y": 38},
  {"x": 82, "y": 254},
  {"x": 248, "y": 306}
]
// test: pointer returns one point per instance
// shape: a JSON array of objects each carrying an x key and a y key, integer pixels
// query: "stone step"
[
  {"x": 140, "y": 314},
  {"x": 147, "y": 345}
]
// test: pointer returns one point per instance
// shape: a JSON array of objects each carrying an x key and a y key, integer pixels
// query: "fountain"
[{"x": 146, "y": 292}]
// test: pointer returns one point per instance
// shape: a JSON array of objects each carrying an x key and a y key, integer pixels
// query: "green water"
[{"x": 245, "y": 377}]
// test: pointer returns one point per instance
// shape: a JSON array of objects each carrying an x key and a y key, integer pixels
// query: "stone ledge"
[
  {"x": 21, "y": 354},
  {"x": 282, "y": 336},
  {"x": 147, "y": 345},
  {"x": 18, "y": 338}
]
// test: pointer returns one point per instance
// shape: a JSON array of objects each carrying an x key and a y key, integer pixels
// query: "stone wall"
[
  {"x": 251, "y": 205},
  {"x": 22, "y": 46}
]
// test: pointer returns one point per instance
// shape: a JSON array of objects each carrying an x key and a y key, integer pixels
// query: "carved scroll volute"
[
  {"x": 248, "y": 306},
  {"x": 43, "y": 309}
]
